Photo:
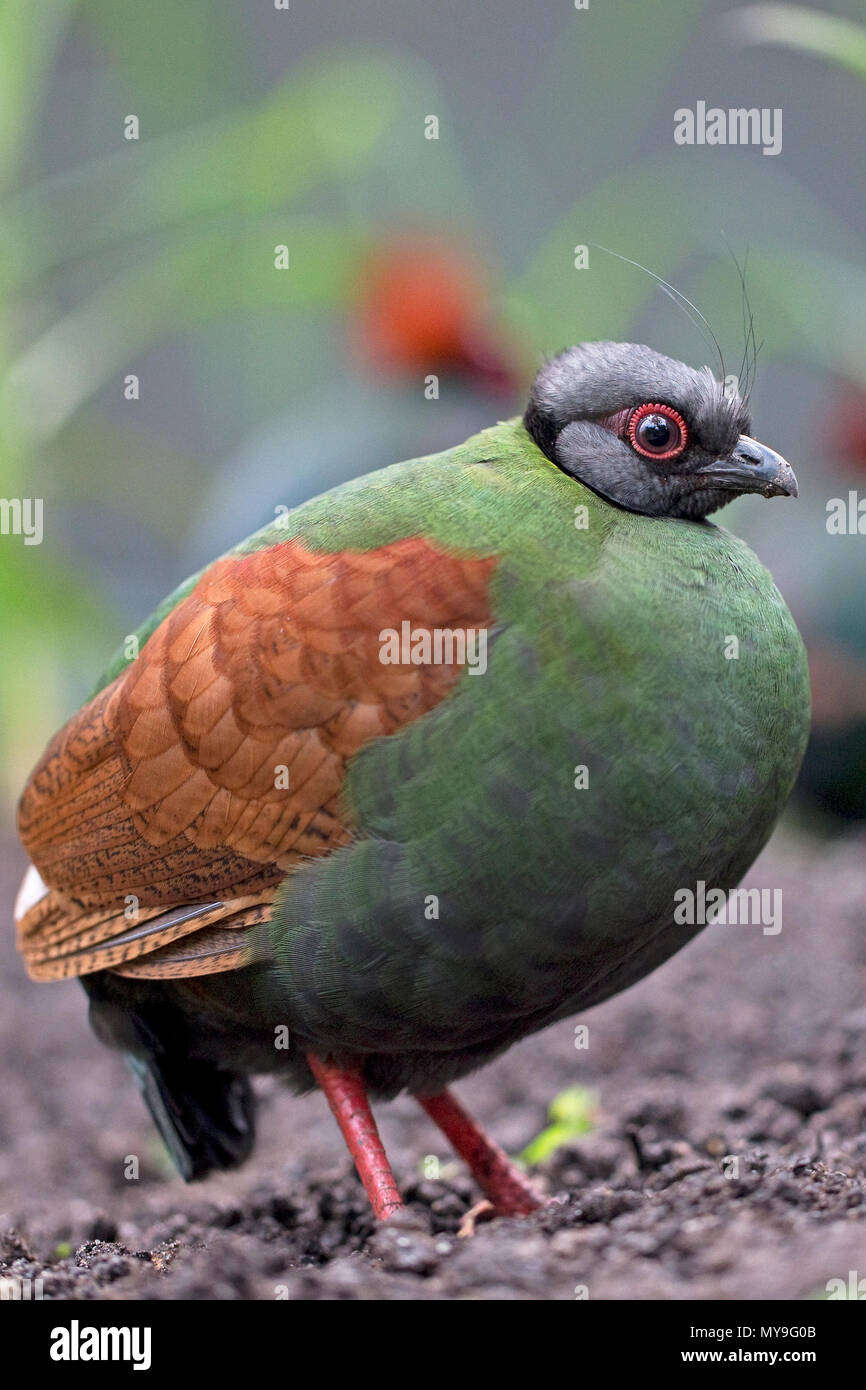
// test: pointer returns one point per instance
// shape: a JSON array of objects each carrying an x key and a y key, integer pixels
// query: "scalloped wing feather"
[{"x": 214, "y": 764}]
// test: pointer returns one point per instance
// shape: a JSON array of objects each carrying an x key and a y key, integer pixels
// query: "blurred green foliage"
[
  {"x": 572, "y": 1114},
  {"x": 794, "y": 26}
]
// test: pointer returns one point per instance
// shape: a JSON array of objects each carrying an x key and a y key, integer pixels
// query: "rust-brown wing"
[{"x": 214, "y": 763}]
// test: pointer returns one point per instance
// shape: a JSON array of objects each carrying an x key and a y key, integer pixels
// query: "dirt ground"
[{"x": 746, "y": 1046}]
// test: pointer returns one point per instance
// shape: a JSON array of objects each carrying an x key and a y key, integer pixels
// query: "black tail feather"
[
  {"x": 205, "y": 1116},
  {"x": 205, "y": 1113}
]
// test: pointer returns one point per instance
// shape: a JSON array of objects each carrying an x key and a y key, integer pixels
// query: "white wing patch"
[{"x": 29, "y": 894}]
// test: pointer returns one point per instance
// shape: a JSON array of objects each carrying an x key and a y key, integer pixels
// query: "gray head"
[{"x": 649, "y": 433}]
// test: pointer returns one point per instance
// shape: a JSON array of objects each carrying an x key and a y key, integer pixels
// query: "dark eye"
[{"x": 657, "y": 431}]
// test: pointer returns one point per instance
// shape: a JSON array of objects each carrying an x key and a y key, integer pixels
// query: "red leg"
[
  {"x": 509, "y": 1190},
  {"x": 347, "y": 1096}
]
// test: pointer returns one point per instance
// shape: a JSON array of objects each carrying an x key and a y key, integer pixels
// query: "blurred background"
[{"x": 164, "y": 386}]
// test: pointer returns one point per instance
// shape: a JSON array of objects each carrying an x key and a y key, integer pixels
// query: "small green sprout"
[{"x": 572, "y": 1113}]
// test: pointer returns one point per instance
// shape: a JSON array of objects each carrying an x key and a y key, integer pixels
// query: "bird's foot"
[
  {"x": 347, "y": 1096},
  {"x": 482, "y": 1211},
  {"x": 508, "y": 1189}
]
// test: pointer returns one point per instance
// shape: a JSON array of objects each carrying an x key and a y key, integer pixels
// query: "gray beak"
[{"x": 752, "y": 467}]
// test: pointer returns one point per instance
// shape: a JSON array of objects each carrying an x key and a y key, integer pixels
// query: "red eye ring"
[{"x": 656, "y": 408}]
